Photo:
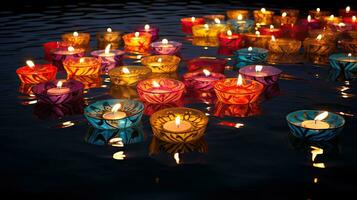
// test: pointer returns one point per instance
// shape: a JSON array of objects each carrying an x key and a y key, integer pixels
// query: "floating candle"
[
  {"x": 237, "y": 14},
  {"x": 114, "y": 114},
  {"x": 201, "y": 80},
  {"x": 177, "y": 125},
  {"x": 318, "y": 14},
  {"x": 33, "y": 74},
  {"x": 109, "y": 58},
  {"x": 161, "y": 63},
  {"x": 59, "y": 90},
  {"x": 109, "y": 37},
  {"x": 263, "y": 16},
  {"x": 166, "y": 47},
  {"x": 189, "y": 22},
  {"x": 231, "y": 40},
  {"x": 208, "y": 30},
  {"x": 257, "y": 40},
  {"x": 267, "y": 75},
  {"x": 49, "y": 47},
  {"x": 345, "y": 62},
  {"x": 317, "y": 123},
  {"x": 59, "y": 55},
  {"x": 128, "y": 75},
  {"x": 76, "y": 39},
  {"x": 153, "y": 30},
  {"x": 318, "y": 49},
  {"x": 138, "y": 39},
  {"x": 347, "y": 12},
  {"x": 250, "y": 55},
  {"x": 82, "y": 66},
  {"x": 277, "y": 32}
]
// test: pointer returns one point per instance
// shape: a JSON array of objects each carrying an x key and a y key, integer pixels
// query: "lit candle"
[
  {"x": 267, "y": 75},
  {"x": 77, "y": 39},
  {"x": 229, "y": 39},
  {"x": 189, "y": 22},
  {"x": 109, "y": 58},
  {"x": 114, "y": 114},
  {"x": 177, "y": 125},
  {"x": 166, "y": 47},
  {"x": 34, "y": 74},
  {"x": 263, "y": 16},
  {"x": 201, "y": 80},
  {"x": 59, "y": 90},
  {"x": 138, "y": 39},
  {"x": 154, "y": 31},
  {"x": 107, "y": 51},
  {"x": 317, "y": 123},
  {"x": 258, "y": 71}
]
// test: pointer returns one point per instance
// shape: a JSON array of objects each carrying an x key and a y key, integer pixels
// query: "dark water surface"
[{"x": 258, "y": 160}]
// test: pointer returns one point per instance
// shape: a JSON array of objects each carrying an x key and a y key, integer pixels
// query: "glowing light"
[
  {"x": 75, "y": 34},
  {"x": 331, "y": 17},
  {"x": 177, "y": 158},
  {"x": 263, "y": 10},
  {"x": 116, "y": 107},
  {"x": 321, "y": 116},
  {"x": 354, "y": 18},
  {"x": 239, "y": 80},
  {"x": 165, "y": 41},
  {"x": 59, "y": 84},
  {"x": 70, "y": 48},
  {"x": 136, "y": 34},
  {"x": 318, "y": 9},
  {"x": 238, "y": 125},
  {"x": 193, "y": 19},
  {"x": 159, "y": 60},
  {"x": 229, "y": 33},
  {"x": 81, "y": 60},
  {"x": 284, "y": 14},
  {"x": 107, "y": 49},
  {"x": 258, "y": 68},
  {"x": 147, "y": 27},
  {"x": 349, "y": 54},
  {"x": 206, "y": 26},
  {"x": 348, "y": 9},
  {"x": 125, "y": 70},
  {"x": 178, "y": 121},
  {"x": 271, "y": 27},
  {"x": 30, "y": 63},
  {"x": 257, "y": 33},
  {"x": 119, "y": 155},
  {"x": 217, "y": 21},
  {"x": 273, "y": 38},
  {"x": 319, "y": 37},
  {"x": 319, "y": 165},
  {"x": 155, "y": 84},
  {"x": 309, "y": 18},
  {"x": 315, "y": 152},
  {"x": 206, "y": 72},
  {"x": 250, "y": 48},
  {"x": 109, "y": 30}
]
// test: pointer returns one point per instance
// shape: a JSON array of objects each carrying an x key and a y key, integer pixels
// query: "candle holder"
[
  {"x": 345, "y": 12},
  {"x": 208, "y": 30},
  {"x": 340, "y": 28},
  {"x": 276, "y": 32},
  {"x": 349, "y": 45},
  {"x": 210, "y": 63},
  {"x": 83, "y": 66},
  {"x": 280, "y": 21},
  {"x": 257, "y": 40},
  {"x": 90, "y": 81},
  {"x": 228, "y": 92},
  {"x": 160, "y": 90},
  {"x": 75, "y": 92},
  {"x": 151, "y": 108},
  {"x": 123, "y": 92},
  {"x": 108, "y": 60},
  {"x": 116, "y": 137},
  {"x": 212, "y": 18},
  {"x": 318, "y": 51},
  {"x": 156, "y": 146},
  {"x": 267, "y": 75},
  {"x": 205, "y": 41},
  {"x": 79, "y": 40},
  {"x": 284, "y": 46},
  {"x": 241, "y": 26},
  {"x": 128, "y": 75},
  {"x": 351, "y": 20},
  {"x": 138, "y": 39},
  {"x": 345, "y": 62},
  {"x": 230, "y": 40},
  {"x": 263, "y": 17},
  {"x": 201, "y": 80},
  {"x": 95, "y": 114},
  {"x": 319, "y": 15},
  {"x": 59, "y": 55},
  {"x": 58, "y": 111},
  {"x": 161, "y": 63},
  {"x": 234, "y": 14},
  {"x": 109, "y": 37},
  {"x": 163, "y": 48},
  {"x": 250, "y": 55},
  {"x": 37, "y": 73},
  {"x": 236, "y": 110},
  {"x": 188, "y": 22},
  {"x": 195, "y": 120},
  {"x": 153, "y": 30},
  {"x": 51, "y": 46},
  {"x": 296, "y": 118}
]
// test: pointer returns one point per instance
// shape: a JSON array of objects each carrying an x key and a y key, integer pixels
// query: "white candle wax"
[
  {"x": 315, "y": 124},
  {"x": 58, "y": 91},
  {"x": 172, "y": 127}
]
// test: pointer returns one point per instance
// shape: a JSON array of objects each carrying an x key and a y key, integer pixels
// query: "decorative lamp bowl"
[
  {"x": 142, "y": 41},
  {"x": 341, "y": 61},
  {"x": 136, "y": 73},
  {"x": 199, "y": 81},
  {"x": 115, "y": 137},
  {"x": 208, "y": 30},
  {"x": 171, "y": 48},
  {"x": 228, "y": 92},
  {"x": 349, "y": 46},
  {"x": 59, "y": 55},
  {"x": 212, "y": 18},
  {"x": 256, "y": 55},
  {"x": 168, "y": 90},
  {"x": 83, "y": 66},
  {"x": 285, "y": 46},
  {"x": 168, "y": 63},
  {"x": 233, "y": 41},
  {"x": 113, "y": 38},
  {"x": 82, "y": 40},
  {"x": 37, "y": 74},
  {"x": 263, "y": 18},
  {"x": 267, "y": 76},
  {"x": 51, "y": 46},
  {"x": 233, "y": 14},
  {"x": 254, "y": 40},
  {"x": 195, "y": 119},
  {"x": 210, "y": 63},
  {"x": 108, "y": 61},
  {"x": 188, "y": 22},
  {"x": 95, "y": 114},
  {"x": 75, "y": 92},
  {"x": 322, "y": 47},
  {"x": 295, "y": 119},
  {"x": 241, "y": 26}
]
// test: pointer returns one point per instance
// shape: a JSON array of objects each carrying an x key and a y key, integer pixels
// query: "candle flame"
[
  {"x": 284, "y": 14},
  {"x": 229, "y": 33},
  {"x": 309, "y": 18},
  {"x": 341, "y": 24},
  {"x": 250, "y": 48},
  {"x": 271, "y": 27},
  {"x": 125, "y": 70},
  {"x": 147, "y": 27},
  {"x": 349, "y": 54},
  {"x": 240, "y": 17},
  {"x": 155, "y": 84},
  {"x": 159, "y": 60},
  {"x": 107, "y": 48},
  {"x": 81, "y": 60},
  {"x": 116, "y": 107},
  {"x": 348, "y": 9},
  {"x": 206, "y": 26},
  {"x": 217, "y": 21},
  {"x": 178, "y": 121},
  {"x": 318, "y": 9},
  {"x": 70, "y": 48},
  {"x": 109, "y": 30},
  {"x": 319, "y": 37},
  {"x": 354, "y": 18},
  {"x": 319, "y": 165},
  {"x": 136, "y": 34},
  {"x": 177, "y": 158},
  {"x": 30, "y": 63},
  {"x": 75, "y": 34},
  {"x": 321, "y": 116},
  {"x": 273, "y": 38},
  {"x": 59, "y": 84},
  {"x": 165, "y": 41},
  {"x": 193, "y": 19},
  {"x": 315, "y": 152},
  {"x": 257, "y": 33},
  {"x": 206, "y": 72},
  {"x": 263, "y": 10},
  {"x": 258, "y": 68},
  {"x": 239, "y": 80},
  {"x": 331, "y": 17}
]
